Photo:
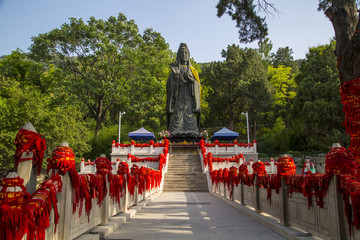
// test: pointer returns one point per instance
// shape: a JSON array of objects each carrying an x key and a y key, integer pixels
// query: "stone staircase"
[{"x": 184, "y": 172}]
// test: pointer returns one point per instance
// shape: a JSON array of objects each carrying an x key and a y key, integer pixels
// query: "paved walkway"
[{"x": 191, "y": 215}]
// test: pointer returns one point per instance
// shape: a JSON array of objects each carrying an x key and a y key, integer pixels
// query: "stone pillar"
[
  {"x": 236, "y": 149},
  {"x": 25, "y": 169},
  {"x": 233, "y": 192},
  {"x": 65, "y": 209},
  {"x": 272, "y": 166},
  {"x": 242, "y": 201},
  {"x": 336, "y": 211},
  {"x": 105, "y": 204},
  {"x": 82, "y": 165},
  {"x": 283, "y": 203},
  {"x": 257, "y": 196},
  {"x": 254, "y": 144},
  {"x": 136, "y": 193},
  {"x": 144, "y": 194},
  {"x": 250, "y": 166},
  {"x": 125, "y": 202}
]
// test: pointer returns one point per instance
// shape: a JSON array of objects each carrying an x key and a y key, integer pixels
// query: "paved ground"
[{"x": 190, "y": 215}]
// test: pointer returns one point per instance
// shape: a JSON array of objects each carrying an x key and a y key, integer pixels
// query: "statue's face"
[{"x": 183, "y": 55}]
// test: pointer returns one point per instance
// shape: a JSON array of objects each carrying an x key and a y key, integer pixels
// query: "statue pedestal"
[{"x": 188, "y": 139}]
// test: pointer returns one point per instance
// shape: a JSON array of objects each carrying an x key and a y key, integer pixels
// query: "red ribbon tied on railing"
[{"x": 26, "y": 140}]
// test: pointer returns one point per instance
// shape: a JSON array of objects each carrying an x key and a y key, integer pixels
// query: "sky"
[{"x": 298, "y": 24}]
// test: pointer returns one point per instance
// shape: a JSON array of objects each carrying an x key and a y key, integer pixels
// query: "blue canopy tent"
[
  {"x": 225, "y": 134},
  {"x": 142, "y": 135}
]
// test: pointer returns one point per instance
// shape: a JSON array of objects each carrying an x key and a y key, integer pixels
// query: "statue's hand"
[{"x": 174, "y": 68}]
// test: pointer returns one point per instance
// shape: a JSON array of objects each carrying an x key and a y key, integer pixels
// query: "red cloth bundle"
[
  {"x": 26, "y": 140},
  {"x": 350, "y": 98},
  {"x": 286, "y": 166},
  {"x": 340, "y": 161},
  {"x": 15, "y": 217},
  {"x": 243, "y": 169},
  {"x": 63, "y": 159},
  {"x": 351, "y": 191},
  {"x": 259, "y": 169},
  {"x": 43, "y": 200},
  {"x": 272, "y": 181}
]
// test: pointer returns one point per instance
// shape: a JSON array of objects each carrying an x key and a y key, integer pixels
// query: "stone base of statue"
[{"x": 188, "y": 139}]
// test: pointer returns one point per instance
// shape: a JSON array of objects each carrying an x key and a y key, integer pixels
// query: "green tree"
[
  {"x": 104, "y": 62},
  {"x": 317, "y": 103},
  {"x": 28, "y": 93},
  {"x": 283, "y": 82},
  {"x": 235, "y": 85},
  {"x": 265, "y": 48},
  {"x": 343, "y": 15},
  {"x": 284, "y": 56},
  {"x": 247, "y": 16}
]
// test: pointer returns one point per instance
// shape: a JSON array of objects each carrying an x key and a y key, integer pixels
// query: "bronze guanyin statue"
[{"x": 183, "y": 98}]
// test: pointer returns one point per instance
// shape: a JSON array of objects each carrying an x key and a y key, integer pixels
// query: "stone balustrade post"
[
  {"x": 65, "y": 209},
  {"x": 117, "y": 164},
  {"x": 254, "y": 146},
  {"x": 144, "y": 194},
  {"x": 272, "y": 166},
  {"x": 283, "y": 203},
  {"x": 224, "y": 189},
  {"x": 250, "y": 166},
  {"x": 242, "y": 194},
  {"x": 82, "y": 165},
  {"x": 216, "y": 149},
  {"x": 136, "y": 193},
  {"x": 233, "y": 191},
  {"x": 105, "y": 204},
  {"x": 257, "y": 195},
  {"x": 132, "y": 149},
  {"x": 236, "y": 149},
  {"x": 336, "y": 210},
  {"x": 125, "y": 202},
  {"x": 151, "y": 150},
  {"x": 26, "y": 169}
]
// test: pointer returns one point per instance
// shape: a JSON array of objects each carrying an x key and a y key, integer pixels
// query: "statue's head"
[{"x": 183, "y": 54}]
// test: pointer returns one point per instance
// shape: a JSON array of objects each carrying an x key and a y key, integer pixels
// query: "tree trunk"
[{"x": 344, "y": 16}]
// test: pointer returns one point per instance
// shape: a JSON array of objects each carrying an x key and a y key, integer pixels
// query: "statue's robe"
[{"x": 183, "y": 103}]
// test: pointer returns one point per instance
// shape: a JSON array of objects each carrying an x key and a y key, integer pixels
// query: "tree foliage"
[
  {"x": 236, "y": 85},
  {"x": 317, "y": 103},
  {"x": 29, "y": 93},
  {"x": 246, "y": 13},
  {"x": 108, "y": 63}
]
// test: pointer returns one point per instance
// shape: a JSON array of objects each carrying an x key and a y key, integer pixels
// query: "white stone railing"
[
  {"x": 327, "y": 222},
  {"x": 249, "y": 156},
  {"x": 121, "y": 151}
]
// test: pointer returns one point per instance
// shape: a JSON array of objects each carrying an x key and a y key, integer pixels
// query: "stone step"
[
  {"x": 203, "y": 189},
  {"x": 187, "y": 180},
  {"x": 185, "y": 168},
  {"x": 184, "y": 165},
  {"x": 189, "y": 175},
  {"x": 184, "y": 174}
]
